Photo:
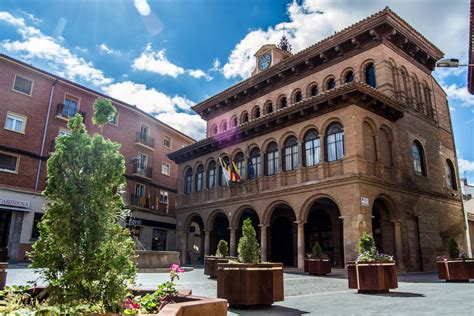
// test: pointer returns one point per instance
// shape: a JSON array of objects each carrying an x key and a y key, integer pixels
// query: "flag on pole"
[
  {"x": 250, "y": 170},
  {"x": 225, "y": 171},
  {"x": 235, "y": 172}
]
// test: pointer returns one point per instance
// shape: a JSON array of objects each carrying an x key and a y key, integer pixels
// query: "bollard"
[{"x": 3, "y": 274}]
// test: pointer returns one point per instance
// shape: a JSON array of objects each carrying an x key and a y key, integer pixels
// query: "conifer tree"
[{"x": 249, "y": 249}]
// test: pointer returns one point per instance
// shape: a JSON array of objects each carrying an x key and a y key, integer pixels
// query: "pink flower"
[
  {"x": 176, "y": 268},
  {"x": 130, "y": 304}
]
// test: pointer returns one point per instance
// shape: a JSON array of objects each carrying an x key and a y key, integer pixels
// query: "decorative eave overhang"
[
  {"x": 382, "y": 27},
  {"x": 356, "y": 93}
]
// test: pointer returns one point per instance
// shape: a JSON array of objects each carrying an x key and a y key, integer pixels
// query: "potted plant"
[
  {"x": 372, "y": 272},
  {"x": 250, "y": 282},
  {"x": 457, "y": 267},
  {"x": 210, "y": 262},
  {"x": 318, "y": 263}
]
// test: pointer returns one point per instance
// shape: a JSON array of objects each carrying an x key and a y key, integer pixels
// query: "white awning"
[{"x": 13, "y": 208}]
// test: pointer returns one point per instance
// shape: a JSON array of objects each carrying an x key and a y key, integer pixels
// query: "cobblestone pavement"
[{"x": 418, "y": 293}]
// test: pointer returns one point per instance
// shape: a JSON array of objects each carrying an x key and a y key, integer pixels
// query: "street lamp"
[{"x": 451, "y": 63}]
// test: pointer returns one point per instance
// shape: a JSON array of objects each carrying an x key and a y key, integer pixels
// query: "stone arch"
[
  {"x": 243, "y": 212},
  {"x": 284, "y": 137},
  {"x": 193, "y": 230},
  {"x": 281, "y": 233},
  {"x": 233, "y": 122},
  {"x": 218, "y": 224},
  {"x": 306, "y": 207},
  {"x": 295, "y": 94},
  {"x": 323, "y": 224},
  {"x": 223, "y": 126},
  {"x": 269, "y": 209},
  {"x": 244, "y": 117},
  {"x": 309, "y": 89},
  {"x": 327, "y": 81},
  {"x": 256, "y": 112},
  {"x": 369, "y": 132},
  {"x": 369, "y": 75},
  {"x": 282, "y": 102},
  {"x": 235, "y": 152},
  {"x": 344, "y": 74},
  {"x": 214, "y": 130},
  {"x": 328, "y": 122},
  {"x": 383, "y": 215},
  {"x": 305, "y": 129},
  {"x": 197, "y": 163},
  {"x": 415, "y": 83},
  {"x": 386, "y": 145},
  {"x": 268, "y": 107},
  {"x": 450, "y": 174},
  {"x": 267, "y": 142}
]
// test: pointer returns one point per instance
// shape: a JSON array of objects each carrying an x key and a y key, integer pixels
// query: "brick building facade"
[
  {"x": 34, "y": 109},
  {"x": 351, "y": 134}
]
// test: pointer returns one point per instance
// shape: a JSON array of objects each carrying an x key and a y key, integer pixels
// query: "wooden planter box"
[
  {"x": 456, "y": 270},
  {"x": 250, "y": 284},
  {"x": 185, "y": 304},
  {"x": 317, "y": 266},
  {"x": 210, "y": 264},
  {"x": 372, "y": 277},
  {"x": 3, "y": 275}
]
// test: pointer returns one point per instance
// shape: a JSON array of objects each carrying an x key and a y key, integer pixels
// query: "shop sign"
[{"x": 14, "y": 203}]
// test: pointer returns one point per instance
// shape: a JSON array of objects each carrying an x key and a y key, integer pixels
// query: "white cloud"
[
  {"x": 156, "y": 62},
  {"x": 190, "y": 124},
  {"x": 109, "y": 51},
  {"x": 198, "y": 73},
  {"x": 36, "y": 45},
  {"x": 174, "y": 111},
  {"x": 459, "y": 94},
  {"x": 314, "y": 20},
  {"x": 465, "y": 165}
]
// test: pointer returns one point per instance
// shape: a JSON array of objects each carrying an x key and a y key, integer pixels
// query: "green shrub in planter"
[
  {"x": 453, "y": 248},
  {"x": 317, "y": 251},
  {"x": 249, "y": 249},
  {"x": 368, "y": 252},
  {"x": 222, "y": 249},
  {"x": 83, "y": 253}
]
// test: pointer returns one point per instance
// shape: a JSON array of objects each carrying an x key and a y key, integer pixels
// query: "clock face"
[{"x": 264, "y": 61}]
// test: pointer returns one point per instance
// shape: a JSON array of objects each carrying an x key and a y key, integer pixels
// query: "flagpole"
[{"x": 226, "y": 180}]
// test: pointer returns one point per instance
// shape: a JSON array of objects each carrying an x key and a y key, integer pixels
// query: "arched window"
[
  {"x": 222, "y": 180},
  {"x": 256, "y": 112},
  {"x": 349, "y": 77},
  {"x": 244, "y": 118},
  {"x": 312, "y": 146},
  {"x": 330, "y": 84},
  {"x": 335, "y": 142},
  {"x": 214, "y": 129},
  {"x": 283, "y": 102},
  {"x": 188, "y": 181},
  {"x": 298, "y": 96},
  {"x": 199, "y": 180},
  {"x": 211, "y": 175},
  {"x": 240, "y": 163},
  {"x": 291, "y": 154},
  {"x": 268, "y": 107},
  {"x": 223, "y": 126},
  {"x": 450, "y": 177},
  {"x": 314, "y": 90},
  {"x": 370, "y": 75},
  {"x": 255, "y": 164},
  {"x": 272, "y": 159},
  {"x": 233, "y": 121},
  {"x": 418, "y": 159}
]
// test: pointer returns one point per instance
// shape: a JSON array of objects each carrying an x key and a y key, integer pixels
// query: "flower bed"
[{"x": 455, "y": 270}]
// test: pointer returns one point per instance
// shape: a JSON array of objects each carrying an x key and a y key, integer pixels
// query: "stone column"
[
  {"x": 397, "y": 229},
  {"x": 263, "y": 242},
  {"x": 300, "y": 239},
  {"x": 207, "y": 242},
  {"x": 232, "y": 241}
]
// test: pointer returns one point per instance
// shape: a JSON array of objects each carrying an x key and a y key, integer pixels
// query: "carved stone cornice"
[{"x": 354, "y": 93}]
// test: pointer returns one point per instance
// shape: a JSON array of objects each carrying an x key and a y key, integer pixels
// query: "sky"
[{"x": 166, "y": 55}]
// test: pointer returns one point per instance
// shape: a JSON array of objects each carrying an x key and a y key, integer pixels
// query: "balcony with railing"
[
  {"x": 145, "y": 140},
  {"x": 141, "y": 170},
  {"x": 67, "y": 111},
  {"x": 140, "y": 201}
]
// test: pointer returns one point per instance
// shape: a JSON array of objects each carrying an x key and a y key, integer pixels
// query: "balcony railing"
[
  {"x": 145, "y": 140},
  {"x": 140, "y": 201},
  {"x": 68, "y": 111},
  {"x": 141, "y": 170}
]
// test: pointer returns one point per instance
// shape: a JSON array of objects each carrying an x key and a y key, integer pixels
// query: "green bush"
[
  {"x": 317, "y": 251},
  {"x": 367, "y": 243},
  {"x": 249, "y": 249},
  {"x": 83, "y": 253},
  {"x": 222, "y": 249},
  {"x": 368, "y": 251},
  {"x": 453, "y": 248}
]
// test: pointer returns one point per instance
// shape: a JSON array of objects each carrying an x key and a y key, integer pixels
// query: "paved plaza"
[{"x": 309, "y": 295}]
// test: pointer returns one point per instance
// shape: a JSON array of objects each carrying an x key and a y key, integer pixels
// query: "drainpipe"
[{"x": 44, "y": 134}]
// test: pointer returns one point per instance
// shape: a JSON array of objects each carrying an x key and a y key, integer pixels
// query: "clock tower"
[{"x": 267, "y": 56}]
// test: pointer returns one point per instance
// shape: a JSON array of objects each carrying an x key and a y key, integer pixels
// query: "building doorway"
[
  {"x": 382, "y": 228},
  {"x": 220, "y": 230},
  {"x": 324, "y": 226},
  {"x": 283, "y": 236},
  {"x": 195, "y": 240}
]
